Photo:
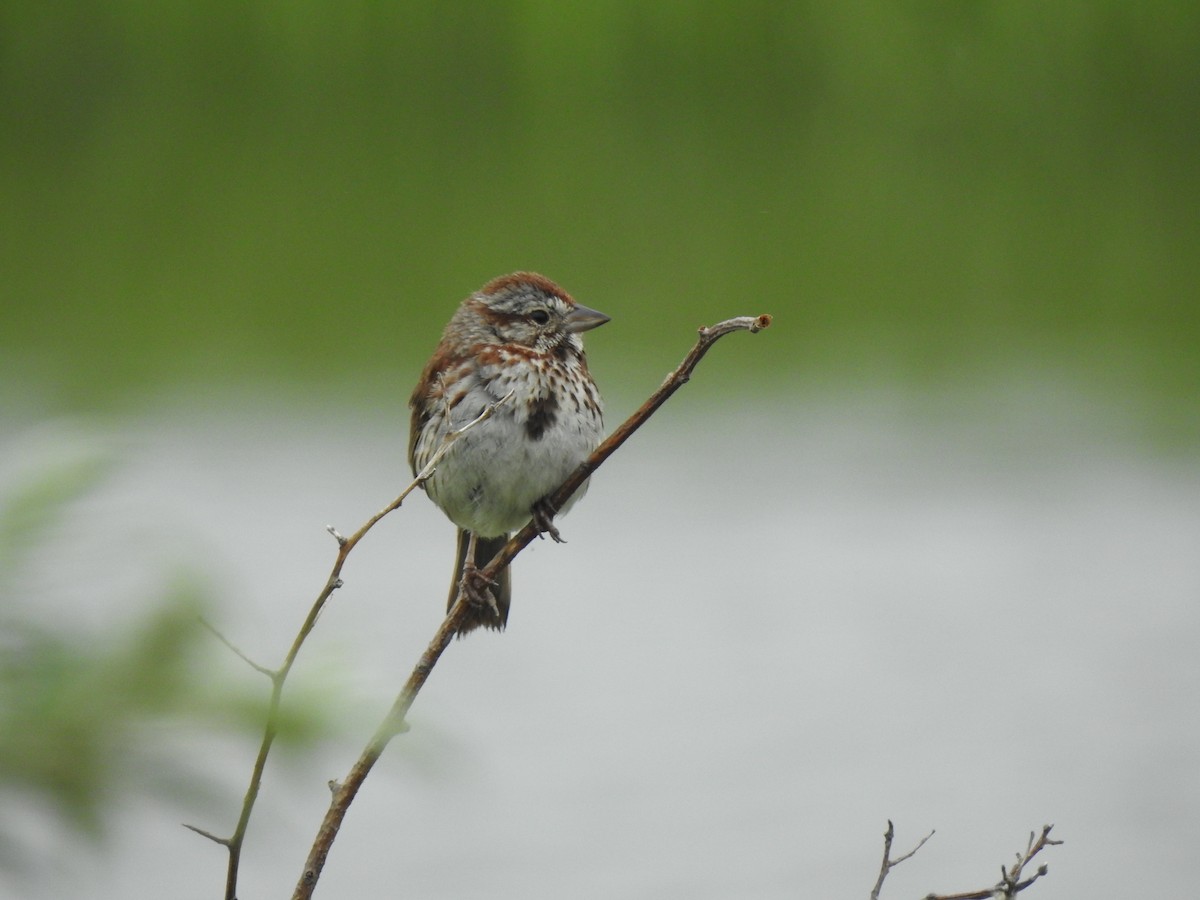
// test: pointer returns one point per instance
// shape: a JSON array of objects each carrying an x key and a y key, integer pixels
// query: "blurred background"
[
  {"x": 922, "y": 192},
  {"x": 231, "y": 234}
]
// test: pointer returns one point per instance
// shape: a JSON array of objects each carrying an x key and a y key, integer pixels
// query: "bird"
[{"x": 519, "y": 333}]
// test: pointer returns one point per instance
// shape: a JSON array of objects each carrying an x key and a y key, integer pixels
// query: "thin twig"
[
  {"x": 888, "y": 863},
  {"x": 393, "y": 723},
  {"x": 224, "y": 842},
  {"x": 270, "y": 673},
  {"x": 279, "y": 676}
]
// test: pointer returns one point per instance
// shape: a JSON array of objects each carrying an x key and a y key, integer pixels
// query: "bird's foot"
[
  {"x": 477, "y": 590},
  {"x": 543, "y": 520}
]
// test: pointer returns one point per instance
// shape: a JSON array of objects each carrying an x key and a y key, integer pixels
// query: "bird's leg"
[
  {"x": 475, "y": 588},
  {"x": 543, "y": 519}
]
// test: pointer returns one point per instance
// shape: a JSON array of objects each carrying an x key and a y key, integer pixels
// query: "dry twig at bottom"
[{"x": 393, "y": 723}]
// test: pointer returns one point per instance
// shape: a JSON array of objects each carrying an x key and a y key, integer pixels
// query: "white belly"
[{"x": 495, "y": 472}]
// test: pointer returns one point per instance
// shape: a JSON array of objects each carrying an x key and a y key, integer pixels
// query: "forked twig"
[
  {"x": 888, "y": 862},
  {"x": 393, "y": 723},
  {"x": 278, "y": 676}
]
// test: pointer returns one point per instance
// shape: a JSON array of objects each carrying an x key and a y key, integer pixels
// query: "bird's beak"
[{"x": 583, "y": 319}]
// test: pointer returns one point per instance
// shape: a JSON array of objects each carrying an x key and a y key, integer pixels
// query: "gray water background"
[{"x": 772, "y": 629}]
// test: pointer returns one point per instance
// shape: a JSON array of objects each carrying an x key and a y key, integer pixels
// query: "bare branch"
[
  {"x": 394, "y": 722},
  {"x": 1011, "y": 883},
  {"x": 279, "y": 676}
]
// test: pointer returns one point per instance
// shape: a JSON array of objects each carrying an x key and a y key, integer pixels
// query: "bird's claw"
[
  {"x": 476, "y": 590},
  {"x": 543, "y": 520}
]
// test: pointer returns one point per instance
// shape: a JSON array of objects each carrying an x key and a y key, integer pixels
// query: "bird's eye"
[{"x": 540, "y": 316}]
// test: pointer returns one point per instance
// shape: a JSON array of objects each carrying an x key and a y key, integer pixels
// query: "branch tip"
[{"x": 337, "y": 535}]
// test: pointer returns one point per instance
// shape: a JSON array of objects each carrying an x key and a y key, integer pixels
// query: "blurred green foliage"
[
  {"x": 928, "y": 192},
  {"x": 70, "y": 710},
  {"x": 82, "y": 714}
]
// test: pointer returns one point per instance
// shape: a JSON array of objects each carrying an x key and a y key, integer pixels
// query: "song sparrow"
[{"x": 517, "y": 333}]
